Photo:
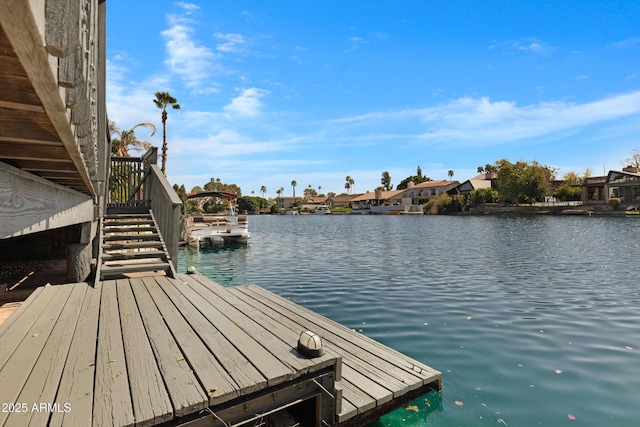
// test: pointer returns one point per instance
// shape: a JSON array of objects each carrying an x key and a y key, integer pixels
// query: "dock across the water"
[{"x": 187, "y": 351}]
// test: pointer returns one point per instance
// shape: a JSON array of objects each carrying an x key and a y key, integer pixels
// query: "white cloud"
[
  {"x": 188, "y": 7},
  {"x": 527, "y": 45},
  {"x": 186, "y": 57},
  {"x": 129, "y": 103},
  {"x": 630, "y": 42},
  {"x": 481, "y": 122},
  {"x": 248, "y": 103},
  {"x": 230, "y": 42},
  {"x": 225, "y": 143},
  {"x": 356, "y": 42}
]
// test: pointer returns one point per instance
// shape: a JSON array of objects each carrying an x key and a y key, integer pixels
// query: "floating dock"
[{"x": 187, "y": 351}]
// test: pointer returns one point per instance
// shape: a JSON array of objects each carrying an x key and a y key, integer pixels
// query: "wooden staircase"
[{"x": 132, "y": 245}]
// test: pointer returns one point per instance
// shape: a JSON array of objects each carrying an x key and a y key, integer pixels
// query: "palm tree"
[
  {"x": 349, "y": 183},
  {"x": 293, "y": 184},
  {"x": 163, "y": 100},
  {"x": 450, "y": 173},
  {"x": 123, "y": 140},
  {"x": 263, "y": 190}
]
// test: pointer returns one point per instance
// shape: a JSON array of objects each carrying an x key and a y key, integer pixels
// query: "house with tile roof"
[
  {"x": 341, "y": 200},
  {"x": 484, "y": 180},
  {"x": 416, "y": 195},
  {"x": 378, "y": 201}
]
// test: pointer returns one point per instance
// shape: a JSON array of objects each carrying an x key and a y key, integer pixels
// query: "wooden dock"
[{"x": 187, "y": 351}]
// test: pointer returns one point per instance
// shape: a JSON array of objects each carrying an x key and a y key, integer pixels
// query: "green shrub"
[
  {"x": 484, "y": 195},
  {"x": 427, "y": 207},
  {"x": 567, "y": 192},
  {"x": 340, "y": 209},
  {"x": 614, "y": 202}
]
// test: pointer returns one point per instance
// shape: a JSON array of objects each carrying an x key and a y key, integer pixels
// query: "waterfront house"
[
  {"x": 624, "y": 185},
  {"x": 484, "y": 180},
  {"x": 378, "y": 201},
  {"x": 416, "y": 195},
  {"x": 593, "y": 190},
  {"x": 310, "y": 204},
  {"x": 285, "y": 202},
  {"x": 341, "y": 200}
]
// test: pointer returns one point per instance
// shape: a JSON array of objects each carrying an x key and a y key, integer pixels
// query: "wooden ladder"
[{"x": 132, "y": 244}]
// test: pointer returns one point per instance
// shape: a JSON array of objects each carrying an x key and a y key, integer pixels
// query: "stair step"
[
  {"x": 123, "y": 222},
  {"x": 132, "y": 245},
  {"x": 146, "y": 236},
  {"x": 134, "y": 267},
  {"x": 115, "y": 271},
  {"x": 117, "y": 256},
  {"x": 127, "y": 216},
  {"x": 129, "y": 229}
]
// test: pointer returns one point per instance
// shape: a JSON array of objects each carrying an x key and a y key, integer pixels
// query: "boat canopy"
[{"x": 220, "y": 194}]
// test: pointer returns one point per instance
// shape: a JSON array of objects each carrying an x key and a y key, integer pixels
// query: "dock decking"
[{"x": 173, "y": 351}]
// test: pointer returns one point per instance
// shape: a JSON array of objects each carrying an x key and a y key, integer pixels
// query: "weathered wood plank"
[
  {"x": 17, "y": 369},
  {"x": 13, "y": 336},
  {"x": 118, "y": 269},
  {"x": 364, "y": 385},
  {"x": 364, "y": 362},
  {"x": 271, "y": 335},
  {"x": 71, "y": 72},
  {"x": 32, "y": 204},
  {"x": 112, "y": 399},
  {"x": 356, "y": 396},
  {"x": 42, "y": 386},
  {"x": 20, "y": 311},
  {"x": 373, "y": 353},
  {"x": 17, "y": 21},
  {"x": 63, "y": 26},
  {"x": 372, "y": 388},
  {"x": 151, "y": 404},
  {"x": 77, "y": 383},
  {"x": 248, "y": 378},
  {"x": 35, "y": 166},
  {"x": 234, "y": 326},
  {"x": 216, "y": 381},
  {"x": 345, "y": 409},
  {"x": 185, "y": 392}
]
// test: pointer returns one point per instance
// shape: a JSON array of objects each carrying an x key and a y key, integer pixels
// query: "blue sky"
[{"x": 313, "y": 91}]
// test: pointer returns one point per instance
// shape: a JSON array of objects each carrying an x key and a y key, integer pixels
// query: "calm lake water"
[{"x": 534, "y": 321}]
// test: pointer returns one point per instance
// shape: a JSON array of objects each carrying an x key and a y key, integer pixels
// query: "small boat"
[
  {"x": 632, "y": 210},
  {"x": 209, "y": 230},
  {"x": 322, "y": 210}
]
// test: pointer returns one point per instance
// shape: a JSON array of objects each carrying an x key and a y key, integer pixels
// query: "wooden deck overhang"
[
  {"x": 42, "y": 131},
  {"x": 187, "y": 351}
]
